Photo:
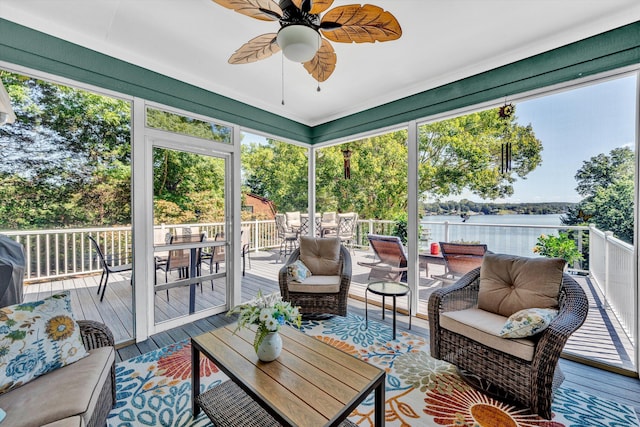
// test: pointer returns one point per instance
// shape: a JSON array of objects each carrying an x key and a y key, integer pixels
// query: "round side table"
[{"x": 388, "y": 289}]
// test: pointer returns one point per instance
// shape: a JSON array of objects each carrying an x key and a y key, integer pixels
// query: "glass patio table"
[{"x": 388, "y": 289}]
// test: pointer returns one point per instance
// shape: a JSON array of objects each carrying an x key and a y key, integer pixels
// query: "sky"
[{"x": 573, "y": 126}]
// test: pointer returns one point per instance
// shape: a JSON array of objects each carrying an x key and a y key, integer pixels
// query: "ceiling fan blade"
[
  {"x": 360, "y": 24},
  {"x": 313, "y": 6},
  {"x": 324, "y": 63},
  {"x": 264, "y": 10},
  {"x": 258, "y": 48}
]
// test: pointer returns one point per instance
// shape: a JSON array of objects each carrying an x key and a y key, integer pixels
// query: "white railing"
[
  {"x": 611, "y": 263},
  {"x": 515, "y": 239},
  {"x": 58, "y": 253},
  {"x": 65, "y": 252}
]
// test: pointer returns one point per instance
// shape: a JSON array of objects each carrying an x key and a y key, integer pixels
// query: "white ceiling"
[{"x": 442, "y": 41}]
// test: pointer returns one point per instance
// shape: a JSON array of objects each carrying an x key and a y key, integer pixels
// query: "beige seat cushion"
[
  {"x": 321, "y": 256},
  {"x": 69, "y": 391},
  {"x": 317, "y": 285},
  {"x": 484, "y": 327},
  {"x": 510, "y": 283}
]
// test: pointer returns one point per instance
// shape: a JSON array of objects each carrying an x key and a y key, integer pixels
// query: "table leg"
[
  {"x": 394, "y": 317},
  {"x": 409, "y": 303},
  {"x": 383, "y": 307},
  {"x": 366, "y": 310},
  {"x": 379, "y": 403},
  {"x": 195, "y": 379},
  {"x": 193, "y": 264}
]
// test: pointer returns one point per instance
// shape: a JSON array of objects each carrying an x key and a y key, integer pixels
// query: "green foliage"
[
  {"x": 400, "y": 227},
  {"x": 560, "y": 246},
  {"x": 66, "y": 160},
  {"x": 607, "y": 184},
  {"x": 464, "y": 153},
  {"x": 451, "y": 207}
]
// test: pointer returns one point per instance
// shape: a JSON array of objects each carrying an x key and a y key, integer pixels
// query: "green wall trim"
[
  {"x": 30, "y": 48},
  {"x": 610, "y": 50},
  {"x": 614, "y": 49}
]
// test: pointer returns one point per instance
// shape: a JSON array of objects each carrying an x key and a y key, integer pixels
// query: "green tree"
[
  {"x": 465, "y": 153},
  {"x": 278, "y": 172},
  {"x": 65, "y": 161},
  {"x": 378, "y": 184},
  {"x": 607, "y": 184}
]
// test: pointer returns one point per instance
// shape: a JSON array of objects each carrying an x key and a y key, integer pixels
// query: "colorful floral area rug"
[{"x": 154, "y": 389}]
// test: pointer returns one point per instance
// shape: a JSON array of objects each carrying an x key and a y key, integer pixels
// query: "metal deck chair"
[
  {"x": 459, "y": 259},
  {"x": 179, "y": 259},
  {"x": 107, "y": 268},
  {"x": 391, "y": 261}
]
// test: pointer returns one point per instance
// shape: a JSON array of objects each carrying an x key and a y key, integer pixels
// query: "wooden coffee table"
[{"x": 310, "y": 384}]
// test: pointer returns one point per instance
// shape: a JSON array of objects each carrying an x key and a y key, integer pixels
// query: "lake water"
[
  {"x": 551, "y": 219},
  {"x": 496, "y": 231}
]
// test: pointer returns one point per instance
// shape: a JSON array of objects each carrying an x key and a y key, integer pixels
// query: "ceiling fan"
[{"x": 304, "y": 35}]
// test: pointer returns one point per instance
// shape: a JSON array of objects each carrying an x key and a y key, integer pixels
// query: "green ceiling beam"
[
  {"x": 613, "y": 49},
  {"x": 29, "y": 48}
]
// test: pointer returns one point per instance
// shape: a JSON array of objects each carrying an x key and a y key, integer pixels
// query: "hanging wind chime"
[
  {"x": 346, "y": 154},
  {"x": 505, "y": 112}
]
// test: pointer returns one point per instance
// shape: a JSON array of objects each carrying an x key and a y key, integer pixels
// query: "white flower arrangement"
[{"x": 268, "y": 312}]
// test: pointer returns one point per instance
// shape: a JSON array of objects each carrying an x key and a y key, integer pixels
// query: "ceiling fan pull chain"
[{"x": 282, "y": 63}]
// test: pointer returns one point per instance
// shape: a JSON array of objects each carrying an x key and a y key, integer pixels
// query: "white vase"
[{"x": 270, "y": 347}]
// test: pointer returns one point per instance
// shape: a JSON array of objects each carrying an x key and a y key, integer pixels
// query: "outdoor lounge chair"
[
  {"x": 468, "y": 320},
  {"x": 391, "y": 261},
  {"x": 459, "y": 259}
]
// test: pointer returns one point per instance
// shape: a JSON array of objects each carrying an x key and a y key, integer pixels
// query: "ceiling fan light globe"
[{"x": 299, "y": 43}]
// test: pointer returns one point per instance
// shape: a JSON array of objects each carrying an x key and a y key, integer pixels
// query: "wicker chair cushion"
[
  {"x": 71, "y": 390},
  {"x": 321, "y": 256},
  {"x": 317, "y": 285},
  {"x": 484, "y": 327},
  {"x": 293, "y": 219},
  {"x": 510, "y": 283},
  {"x": 38, "y": 337}
]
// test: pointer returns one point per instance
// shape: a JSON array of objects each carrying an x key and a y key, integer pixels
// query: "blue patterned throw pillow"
[
  {"x": 298, "y": 271},
  {"x": 528, "y": 322},
  {"x": 36, "y": 338}
]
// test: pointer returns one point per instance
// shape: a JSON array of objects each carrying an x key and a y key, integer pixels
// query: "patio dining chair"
[
  {"x": 179, "y": 259},
  {"x": 305, "y": 225},
  {"x": 245, "y": 236},
  {"x": 391, "y": 259},
  {"x": 345, "y": 229},
  {"x": 288, "y": 238},
  {"x": 107, "y": 267}
]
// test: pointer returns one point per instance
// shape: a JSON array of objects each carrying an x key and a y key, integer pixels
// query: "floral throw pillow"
[
  {"x": 36, "y": 338},
  {"x": 528, "y": 322},
  {"x": 298, "y": 271}
]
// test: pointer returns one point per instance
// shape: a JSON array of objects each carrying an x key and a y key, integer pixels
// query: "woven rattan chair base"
[{"x": 227, "y": 405}]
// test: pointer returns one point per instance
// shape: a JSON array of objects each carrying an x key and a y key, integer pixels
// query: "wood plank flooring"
[{"x": 600, "y": 338}]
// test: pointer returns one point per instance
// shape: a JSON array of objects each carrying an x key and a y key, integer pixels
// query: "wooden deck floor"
[{"x": 599, "y": 337}]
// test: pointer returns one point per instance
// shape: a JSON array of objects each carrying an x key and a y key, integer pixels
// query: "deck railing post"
[
  {"x": 446, "y": 231},
  {"x": 255, "y": 235},
  {"x": 607, "y": 273}
]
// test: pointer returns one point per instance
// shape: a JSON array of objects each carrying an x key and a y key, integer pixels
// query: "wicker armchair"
[
  {"x": 320, "y": 294},
  {"x": 94, "y": 335},
  {"x": 530, "y": 383}
]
